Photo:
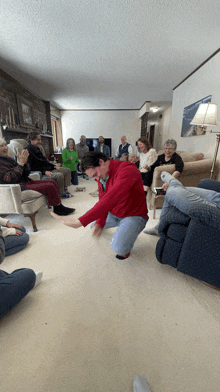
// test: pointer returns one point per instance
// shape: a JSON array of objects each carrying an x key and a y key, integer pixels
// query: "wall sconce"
[
  {"x": 205, "y": 116},
  {"x": 154, "y": 110}
]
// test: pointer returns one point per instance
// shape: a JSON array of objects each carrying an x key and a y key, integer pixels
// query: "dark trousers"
[
  {"x": 74, "y": 178},
  {"x": 14, "y": 287},
  {"x": 147, "y": 178}
]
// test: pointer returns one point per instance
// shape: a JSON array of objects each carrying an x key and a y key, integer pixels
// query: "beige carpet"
[{"x": 94, "y": 322}]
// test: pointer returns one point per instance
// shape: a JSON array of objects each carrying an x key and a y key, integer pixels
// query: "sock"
[
  {"x": 152, "y": 230},
  {"x": 140, "y": 384},
  {"x": 120, "y": 257},
  {"x": 39, "y": 276}
]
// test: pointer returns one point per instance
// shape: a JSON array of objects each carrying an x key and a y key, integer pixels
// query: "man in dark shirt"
[
  {"x": 169, "y": 157},
  {"x": 38, "y": 162}
]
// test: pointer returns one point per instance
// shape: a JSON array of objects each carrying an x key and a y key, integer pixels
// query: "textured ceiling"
[{"x": 106, "y": 54}]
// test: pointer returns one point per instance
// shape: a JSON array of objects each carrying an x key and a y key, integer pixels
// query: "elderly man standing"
[
  {"x": 82, "y": 149},
  {"x": 121, "y": 204},
  {"x": 124, "y": 148}
]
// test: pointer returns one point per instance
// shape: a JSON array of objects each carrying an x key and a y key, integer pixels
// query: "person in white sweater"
[
  {"x": 148, "y": 156},
  {"x": 15, "y": 236}
]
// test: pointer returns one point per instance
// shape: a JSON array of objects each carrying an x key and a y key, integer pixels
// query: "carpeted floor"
[{"x": 95, "y": 321}]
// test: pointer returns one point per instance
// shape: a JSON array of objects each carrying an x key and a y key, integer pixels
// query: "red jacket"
[{"x": 123, "y": 196}]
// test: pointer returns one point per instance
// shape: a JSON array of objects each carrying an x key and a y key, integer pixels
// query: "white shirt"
[
  {"x": 147, "y": 159},
  {"x": 6, "y": 230}
]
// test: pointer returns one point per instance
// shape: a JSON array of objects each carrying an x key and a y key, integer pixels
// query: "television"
[{"x": 93, "y": 142}]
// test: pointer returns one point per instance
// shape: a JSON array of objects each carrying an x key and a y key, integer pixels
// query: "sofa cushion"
[
  {"x": 191, "y": 156},
  {"x": 29, "y": 195}
]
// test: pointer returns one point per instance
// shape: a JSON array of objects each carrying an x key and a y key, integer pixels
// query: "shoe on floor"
[
  {"x": 62, "y": 210},
  {"x": 122, "y": 257}
]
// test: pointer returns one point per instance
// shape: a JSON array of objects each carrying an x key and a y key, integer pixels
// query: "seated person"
[
  {"x": 124, "y": 157},
  {"x": 12, "y": 172},
  {"x": 38, "y": 162},
  {"x": 169, "y": 157},
  {"x": 124, "y": 147},
  {"x": 134, "y": 159},
  {"x": 102, "y": 147},
  {"x": 15, "y": 236},
  {"x": 148, "y": 156},
  {"x": 183, "y": 199},
  {"x": 14, "y": 286}
]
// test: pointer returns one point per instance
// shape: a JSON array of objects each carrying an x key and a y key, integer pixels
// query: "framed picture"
[
  {"x": 25, "y": 111},
  {"x": 188, "y": 114}
]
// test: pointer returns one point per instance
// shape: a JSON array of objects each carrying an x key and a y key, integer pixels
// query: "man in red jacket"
[{"x": 122, "y": 202}]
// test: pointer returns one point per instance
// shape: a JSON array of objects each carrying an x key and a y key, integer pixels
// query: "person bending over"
[
  {"x": 15, "y": 236},
  {"x": 148, "y": 156},
  {"x": 15, "y": 286},
  {"x": 169, "y": 157},
  {"x": 38, "y": 162},
  {"x": 121, "y": 204},
  {"x": 12, "y": 172},
  {"x": 183, "y": 198}
]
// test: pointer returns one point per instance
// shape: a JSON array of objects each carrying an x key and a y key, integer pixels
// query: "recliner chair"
[{"x": 191, "y": 244}]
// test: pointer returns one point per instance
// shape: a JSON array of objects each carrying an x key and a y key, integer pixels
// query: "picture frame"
[{"x": 25, "y": 112}]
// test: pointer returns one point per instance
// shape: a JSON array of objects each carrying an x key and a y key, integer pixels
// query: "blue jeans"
[
  {"x": 182, "y": 198},
  {"x": 74, "y": 177},
  {"x": 127, "y": 232},
  {"x": 14, "y": 287},
  {"x": 15, "y": 243}
]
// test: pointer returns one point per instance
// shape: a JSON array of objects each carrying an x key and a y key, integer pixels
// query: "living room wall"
[
  {"x": 108, "y": 123},
  {"x": 205, "y": 81}
]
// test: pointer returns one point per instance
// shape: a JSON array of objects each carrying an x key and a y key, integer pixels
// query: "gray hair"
[
  {"x": 171, "y": 142},
  {"x": 2, "y": 141}
]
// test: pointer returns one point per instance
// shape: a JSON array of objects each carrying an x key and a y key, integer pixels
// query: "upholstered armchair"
[
  {"x": 28, "y": 202},
  {"x": 192, "y": 245}
]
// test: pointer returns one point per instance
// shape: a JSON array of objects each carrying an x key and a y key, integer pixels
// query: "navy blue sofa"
[{"x": 191, "y": 244}]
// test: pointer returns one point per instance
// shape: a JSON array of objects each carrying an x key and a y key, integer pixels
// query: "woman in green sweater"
[{"x": 70, "y": 159}]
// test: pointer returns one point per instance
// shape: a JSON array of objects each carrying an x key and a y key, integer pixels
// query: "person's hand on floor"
[
  {"x": 13, "y": 225},
  {"x": 97, "y": 231},
  {"x": 75, "y": 223}
]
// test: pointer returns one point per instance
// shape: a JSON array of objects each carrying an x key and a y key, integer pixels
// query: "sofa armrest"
[
  {"x": 192, "y": 172},
  {"x": 10, "y": 196}
]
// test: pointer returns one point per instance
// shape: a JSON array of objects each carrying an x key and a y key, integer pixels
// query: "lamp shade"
[{"x": 206, "y": 115}]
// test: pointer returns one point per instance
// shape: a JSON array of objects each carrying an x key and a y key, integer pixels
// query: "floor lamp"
[{"x": 206, "y": 115}]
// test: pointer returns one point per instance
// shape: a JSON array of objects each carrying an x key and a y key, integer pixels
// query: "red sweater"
[{"x": 123, "y": 196}]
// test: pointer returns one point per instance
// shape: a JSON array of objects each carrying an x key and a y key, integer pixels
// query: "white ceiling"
[{"x": 106, "y": 54}]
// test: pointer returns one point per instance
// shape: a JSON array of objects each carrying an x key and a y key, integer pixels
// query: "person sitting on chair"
[
  {"x": 12, "y": 172},
  {"x": 183, "y": 198},
  {"x": 169, "y": 157},
  {"x": 38, "y": 162}
]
